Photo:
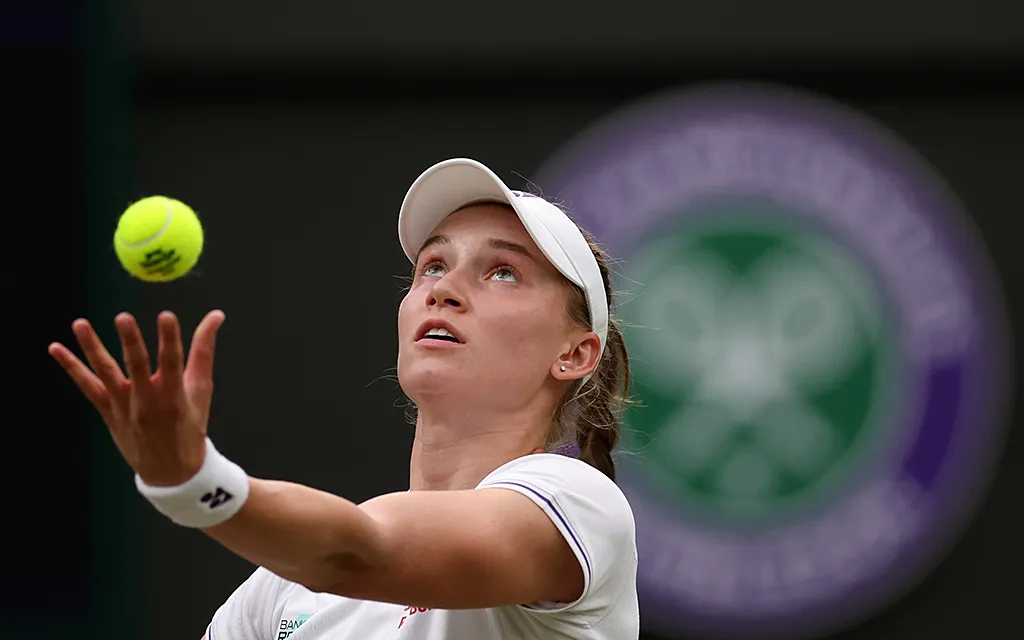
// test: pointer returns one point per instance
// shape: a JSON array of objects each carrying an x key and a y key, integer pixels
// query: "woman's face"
[{"x": 481, "y": 279}]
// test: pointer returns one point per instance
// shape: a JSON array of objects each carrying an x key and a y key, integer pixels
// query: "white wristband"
[{"x": 208, "y": 498}]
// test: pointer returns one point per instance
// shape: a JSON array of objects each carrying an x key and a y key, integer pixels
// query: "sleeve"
[
  {"x": 248, "y": 613},
  {"x": 592, "y": 515}
]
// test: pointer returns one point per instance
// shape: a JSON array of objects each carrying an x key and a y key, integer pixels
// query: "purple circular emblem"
[{"x": 729, "y": 203}]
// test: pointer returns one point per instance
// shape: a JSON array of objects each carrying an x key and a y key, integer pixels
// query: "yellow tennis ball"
[{"x": 158, "y": 239}]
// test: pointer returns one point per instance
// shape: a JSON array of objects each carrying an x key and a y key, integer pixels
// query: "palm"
[{"x": 157, "y": 420}]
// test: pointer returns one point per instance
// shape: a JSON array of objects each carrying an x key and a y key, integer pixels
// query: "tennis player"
[{"x": 506, "y": 350}]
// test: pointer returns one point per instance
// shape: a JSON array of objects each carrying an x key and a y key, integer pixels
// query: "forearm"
[{"x": 304, "y": 535}]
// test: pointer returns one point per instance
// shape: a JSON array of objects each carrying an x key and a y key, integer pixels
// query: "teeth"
[{"x": 440, "y": 331}]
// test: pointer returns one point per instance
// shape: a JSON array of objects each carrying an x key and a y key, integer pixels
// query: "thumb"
[{"x": 204, "y": 342}]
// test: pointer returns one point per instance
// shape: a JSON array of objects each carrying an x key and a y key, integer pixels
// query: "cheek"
[
  {"x": 533, "y": 333},
  {"x": 405, "y": 311}
]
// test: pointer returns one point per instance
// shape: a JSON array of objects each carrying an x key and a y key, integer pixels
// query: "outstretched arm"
[{"x": 445, "y": 549}]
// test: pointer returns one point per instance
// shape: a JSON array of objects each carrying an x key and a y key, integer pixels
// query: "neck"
[{"x": 454, "y": 452}]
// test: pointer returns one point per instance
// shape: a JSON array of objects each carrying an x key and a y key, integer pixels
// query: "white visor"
[{"x": 448, "y": 186}]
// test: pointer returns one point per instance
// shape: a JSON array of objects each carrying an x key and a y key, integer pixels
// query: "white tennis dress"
[{"x": 587, "y": 507}]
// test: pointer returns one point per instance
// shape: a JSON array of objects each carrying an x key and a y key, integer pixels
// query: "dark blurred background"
[{"x": 294, "y": 130}]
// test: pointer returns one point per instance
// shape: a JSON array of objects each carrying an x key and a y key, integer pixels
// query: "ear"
[{"x": 580, "y": 360}]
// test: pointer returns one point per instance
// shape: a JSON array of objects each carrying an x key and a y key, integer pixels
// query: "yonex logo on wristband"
[
  {"x": 212, "y": 496},
  {"x": 216, "y": 498}
]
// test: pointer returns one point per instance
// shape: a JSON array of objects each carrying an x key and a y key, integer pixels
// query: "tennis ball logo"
[{"x": 158, "y": 239}]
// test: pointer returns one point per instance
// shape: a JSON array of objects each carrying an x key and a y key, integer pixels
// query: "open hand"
[{"x": 157, "y": 420}]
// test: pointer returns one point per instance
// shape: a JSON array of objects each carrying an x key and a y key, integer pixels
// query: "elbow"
[
  {"x": 333, "y": 574},
  {"x": 339, "y": 572}
]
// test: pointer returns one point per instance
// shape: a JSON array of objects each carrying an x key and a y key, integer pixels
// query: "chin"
[{"x": 429, "y": 376}]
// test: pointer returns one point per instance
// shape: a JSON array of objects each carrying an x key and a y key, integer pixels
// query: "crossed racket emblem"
[{"x": 748, "y": 350}]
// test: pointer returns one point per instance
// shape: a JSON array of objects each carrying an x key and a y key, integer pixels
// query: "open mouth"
[{"x": 440, "y": 333}]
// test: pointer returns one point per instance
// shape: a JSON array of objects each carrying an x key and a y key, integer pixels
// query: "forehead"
[
  {"x": 491, "y": 224},
  {"x": 485, "y": 222}
]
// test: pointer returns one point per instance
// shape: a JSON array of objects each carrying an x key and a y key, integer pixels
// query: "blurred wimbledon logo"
[
  {"x": 758, "y": 357},
  {"x": 818, "y": 348}
]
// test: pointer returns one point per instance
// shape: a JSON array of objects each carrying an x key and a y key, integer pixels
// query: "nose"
[{"x": 447, "y": 292}]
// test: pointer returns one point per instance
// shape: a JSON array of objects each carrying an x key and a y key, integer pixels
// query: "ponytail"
[{"x": 591, "y": 415}]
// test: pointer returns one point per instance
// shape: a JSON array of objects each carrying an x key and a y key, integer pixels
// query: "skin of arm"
[{"x": 441, "y": 549}]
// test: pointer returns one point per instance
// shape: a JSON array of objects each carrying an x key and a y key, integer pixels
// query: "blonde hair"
[{"x": 590, "y": 414}]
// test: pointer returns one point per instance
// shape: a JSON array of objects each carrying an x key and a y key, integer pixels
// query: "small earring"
[{"x": 562, "y": 367}]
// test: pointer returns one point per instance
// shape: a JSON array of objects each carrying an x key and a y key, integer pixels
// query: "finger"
[
  {"x": 204, "y": 341},
  {"x": 133, "y": 347},
  {"x": 87, "y": 382},
  {"x": 106, "y": 368},
  {"x": 170, "y": 353}
]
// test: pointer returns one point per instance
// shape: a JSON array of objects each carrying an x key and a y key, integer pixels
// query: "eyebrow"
[
  {"x": 433, "y": 240},
  {"x": 495, "y": 243},
  {"x": 498, "y": 243}
]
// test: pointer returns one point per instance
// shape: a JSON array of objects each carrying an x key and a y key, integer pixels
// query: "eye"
[
  {"x": 433, "y": 269},
  {"x": 505, "y": 274}
]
